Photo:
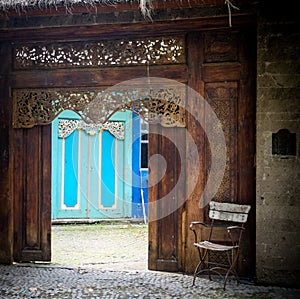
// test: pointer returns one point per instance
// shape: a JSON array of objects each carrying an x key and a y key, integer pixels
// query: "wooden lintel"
[
  {"x": 109, "y": 31},
  {"x": 94, "y": 77}
]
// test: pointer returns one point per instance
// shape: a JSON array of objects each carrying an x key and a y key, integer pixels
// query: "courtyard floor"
[{"x": 98, "y": 261}]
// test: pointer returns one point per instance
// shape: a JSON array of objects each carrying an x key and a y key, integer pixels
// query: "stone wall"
[{"x": 278, "y": 176}]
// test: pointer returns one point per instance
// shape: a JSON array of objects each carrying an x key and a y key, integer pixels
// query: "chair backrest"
[{"x": 228, "y": 212}]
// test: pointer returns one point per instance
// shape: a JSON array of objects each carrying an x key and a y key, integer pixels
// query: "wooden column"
[
  {"x": 6, "y": 209},
  {"x": 195, "y": 177}
]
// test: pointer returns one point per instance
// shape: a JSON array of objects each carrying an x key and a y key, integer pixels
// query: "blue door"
[
  {"x": 139, "y": 168},
  {"x": 89, "y": 173}
]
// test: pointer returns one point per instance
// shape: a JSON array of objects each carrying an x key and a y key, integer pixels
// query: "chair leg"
[
  {"x": 225, "y": 280},
  {"x": 209, "y": 274},
  {"x": 202, "y": 258},
  {"x": 232, "y": 265},
  {"x": 196, "y": 272}
]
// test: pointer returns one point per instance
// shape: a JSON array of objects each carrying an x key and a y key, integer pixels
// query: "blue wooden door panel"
[
  {"x": 95, "y": 177},
  {"x": 67, "y": 194},
  {"x": 144, "y": 190},
  {"x": 83, "y": 179},
  {"x": 108, "y": 189},
  {"x": 89, "y": 177},
  {"x": 70, "y": 171},
  {"x": 73, "y": 182},
  {"x": 108, "y": 171},
  {"x": 140, "y": 175},
  {"x": 120, "y": 180}
]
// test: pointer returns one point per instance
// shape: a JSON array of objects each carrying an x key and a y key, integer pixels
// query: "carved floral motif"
[
  {"x": 40, "y": 107},
  {"x": 162, "y": 50},
  {"x": 67, "y": 126}
]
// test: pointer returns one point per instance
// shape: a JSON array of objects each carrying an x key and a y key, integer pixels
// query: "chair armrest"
[
  {"x": 229, "y": 228},
  {"x": 194, "y": 230},
  {"x": 235, "y": 234},
  {"x": 197, "y": 223}
]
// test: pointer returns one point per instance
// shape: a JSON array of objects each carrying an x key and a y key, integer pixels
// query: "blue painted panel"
[
  {"x": 137, "y": 211},
  {"x": 119, "y": 168},
  {"x": 71, "y": 168},
  {"x": 95, "y": 177},
  {"x": 55, "y": 179},
  {"x": 84, "y": 171},
  {"x": 144, "y": 184},
  {"x": 108, "y": 170},
  {"x": 63, "y": 199},
  {"x": 107, "y": 204},
  {"x": 139, "y": 176}
]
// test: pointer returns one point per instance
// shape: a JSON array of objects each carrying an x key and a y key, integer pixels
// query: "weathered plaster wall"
[{"x": 278, "y": 177}]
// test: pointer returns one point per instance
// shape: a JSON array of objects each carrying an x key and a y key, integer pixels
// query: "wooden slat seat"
[
  {"x": 227, "y": 213},
  {"x": 214, "y": 246}
]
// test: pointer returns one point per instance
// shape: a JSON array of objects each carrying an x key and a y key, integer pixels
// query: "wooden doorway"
[
  {"x": 221, "y": 67},
  {"x": 218, "y": 64}
]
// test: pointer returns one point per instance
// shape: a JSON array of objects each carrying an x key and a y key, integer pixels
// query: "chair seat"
[{"x": 214, "y": 246}]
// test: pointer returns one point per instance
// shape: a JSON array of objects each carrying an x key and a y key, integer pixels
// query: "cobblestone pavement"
[
  {"x": 59, "y": 283},
  {"x": 81, "y": 275}
]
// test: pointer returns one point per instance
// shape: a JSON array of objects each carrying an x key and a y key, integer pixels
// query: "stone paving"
[
  {"x": 107, "y": 246},
  {"x": 87, "y": 278},
  {"x": 62, "y": 282}
]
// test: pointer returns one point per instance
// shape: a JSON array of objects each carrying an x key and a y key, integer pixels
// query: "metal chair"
[{"x": 222, "y": 213}]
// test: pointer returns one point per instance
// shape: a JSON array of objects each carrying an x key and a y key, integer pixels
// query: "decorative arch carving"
[{"x": 163, "y": 104}]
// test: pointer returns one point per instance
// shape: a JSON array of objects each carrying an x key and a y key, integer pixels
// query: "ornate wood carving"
[
  {"x": 223, "y": 99},
  {"x": 40, "y": 107},
  {"x": 221, "y": 47},
  {"x": 162, "y": 50}
]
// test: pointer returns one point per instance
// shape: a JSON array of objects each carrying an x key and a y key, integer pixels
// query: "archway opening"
[{"x": 99, "y": 191}]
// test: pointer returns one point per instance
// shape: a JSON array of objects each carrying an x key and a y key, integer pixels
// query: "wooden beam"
[
  {"x": 94, "y": 77},
  {"x": 109, "y": 31}
]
